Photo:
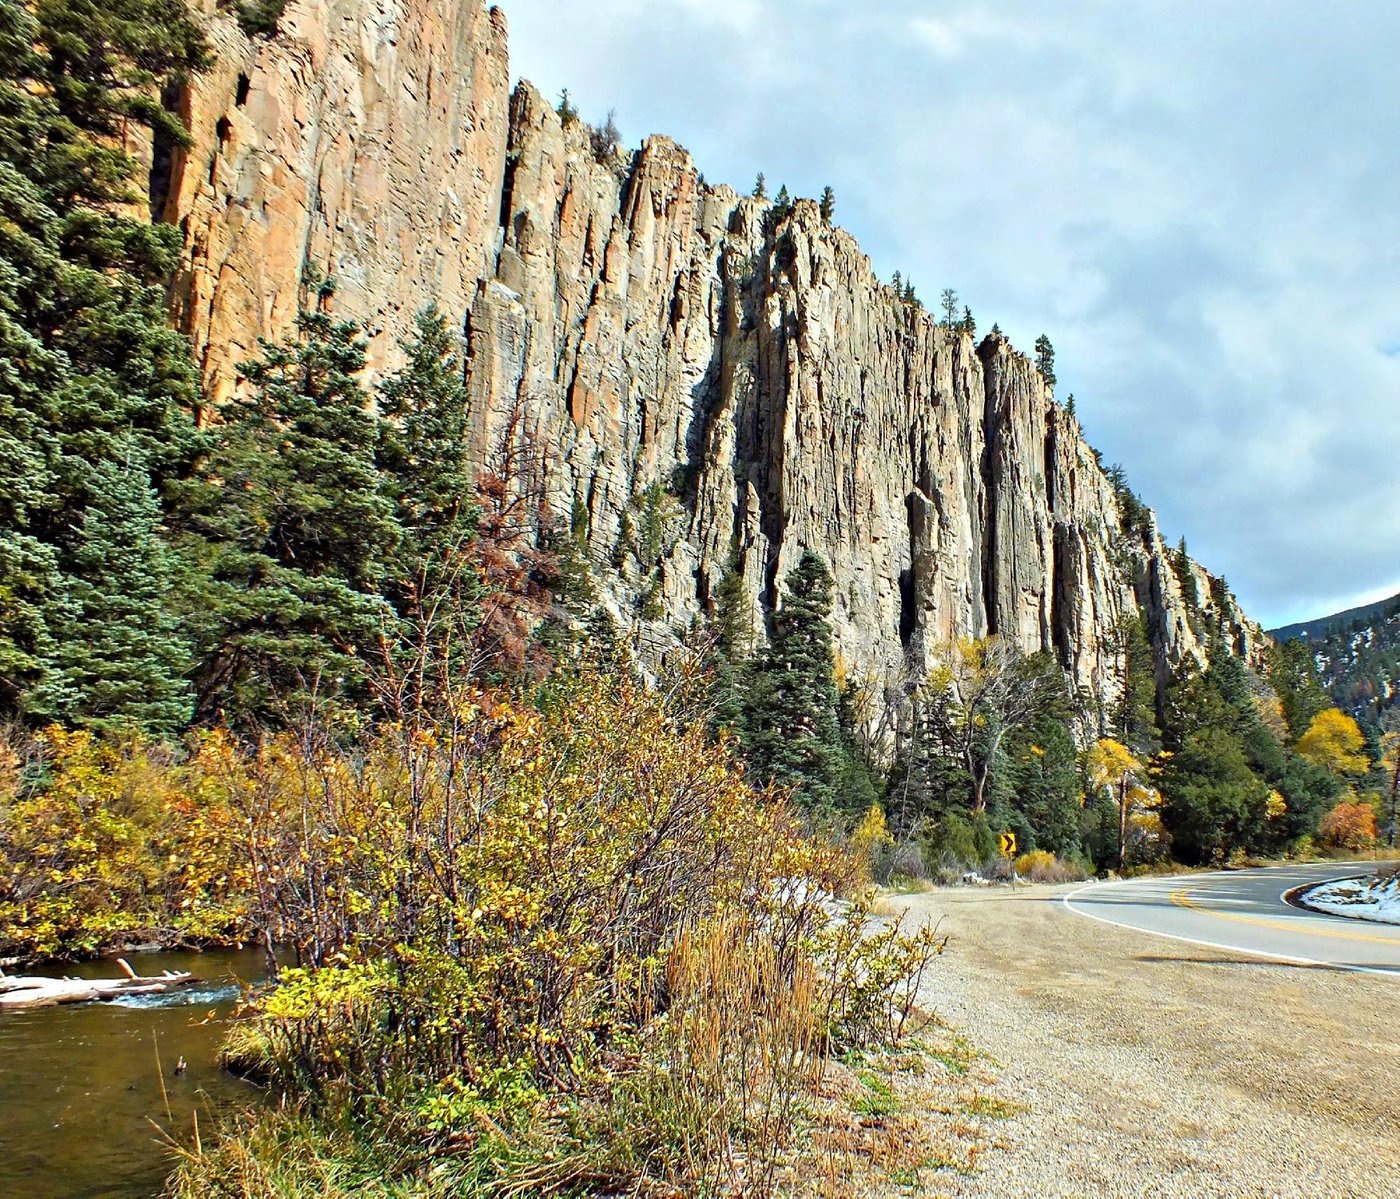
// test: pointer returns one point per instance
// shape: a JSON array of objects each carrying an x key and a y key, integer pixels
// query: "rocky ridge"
[{"x": 644, "y": 327}]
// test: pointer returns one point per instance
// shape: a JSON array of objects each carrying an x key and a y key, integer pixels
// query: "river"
[{"x": 82, "y": 1114}]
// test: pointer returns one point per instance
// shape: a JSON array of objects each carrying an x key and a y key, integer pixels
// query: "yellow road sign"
[{"x": 1007, "y": 844}]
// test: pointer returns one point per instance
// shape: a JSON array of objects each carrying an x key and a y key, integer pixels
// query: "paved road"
[{"x": 1243, "y": 910}]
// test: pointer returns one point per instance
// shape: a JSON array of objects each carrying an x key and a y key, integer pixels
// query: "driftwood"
[{"x": 35, "y": 991}]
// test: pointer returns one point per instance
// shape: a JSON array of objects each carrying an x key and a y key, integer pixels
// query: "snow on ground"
[{"x": 1368, "y": 898}]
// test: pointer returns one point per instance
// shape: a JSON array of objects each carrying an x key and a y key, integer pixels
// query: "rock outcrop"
[{"x": 648, "y": 328}]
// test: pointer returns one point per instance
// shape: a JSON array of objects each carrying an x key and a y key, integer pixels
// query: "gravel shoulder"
[{"x": 1151, "y": 1067}]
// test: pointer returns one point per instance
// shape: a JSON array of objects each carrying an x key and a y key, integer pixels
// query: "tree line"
[{"x": 990, "y": 739}]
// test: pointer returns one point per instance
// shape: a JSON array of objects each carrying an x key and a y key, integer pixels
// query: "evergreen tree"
[
  {"x": 1045, "y": 359},
  {"x": 796, "y": 739},
  {"x": 828, "y": 204},
  {"x": 423, "y": 440},
  {"x": 967, "y": 325},
  {"x": 124, "y": 658},
  {"x": 1042, "y": 783},
  {"x": 1134, "y": 721},
  {"x": 431, "y": 579},
  {"x": 301, "y": 530},
  {"x": 948, "y": 302},
  {"x": 760, "y": 187},
  {"x": 731, "y": 659},
  {"x": 1294, "y": 678},
  {"x": 90, "y": 375},
  {"x": 1214, "y": 803}
]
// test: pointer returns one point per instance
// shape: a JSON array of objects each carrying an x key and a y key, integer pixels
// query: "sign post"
[{"x": 1007, "y": 844}]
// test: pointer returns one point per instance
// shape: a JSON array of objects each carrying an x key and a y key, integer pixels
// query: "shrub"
[
  {"x": 952, "y": 843},
  {"x": 605, "y": 138},
  {"x": 260, "y": 17},
  {"x": 907, "y": 860},
  {"x": 103, "y": 842},
  {"x": 572, "y": 925},
  {"x": 1350, "y": 825}
]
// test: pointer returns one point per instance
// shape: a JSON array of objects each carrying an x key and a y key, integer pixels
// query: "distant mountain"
[{"x": 1357, "y": 654}]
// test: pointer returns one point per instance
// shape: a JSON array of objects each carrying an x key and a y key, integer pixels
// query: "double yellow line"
[{"x": 1183, "y": 900}]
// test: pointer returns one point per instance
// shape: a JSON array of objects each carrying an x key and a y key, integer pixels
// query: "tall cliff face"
[{"x": 649, "y": 328}]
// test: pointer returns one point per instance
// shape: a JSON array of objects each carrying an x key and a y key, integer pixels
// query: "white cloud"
[{"x": 956, "y": 34}]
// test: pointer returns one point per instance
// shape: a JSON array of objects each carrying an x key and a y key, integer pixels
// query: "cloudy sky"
[{"x": 1198, "y": 202}]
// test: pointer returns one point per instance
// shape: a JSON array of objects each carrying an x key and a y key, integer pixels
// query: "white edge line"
[{"x": 1256, "y": 953}]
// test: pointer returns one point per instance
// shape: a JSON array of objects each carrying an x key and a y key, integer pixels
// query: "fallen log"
[{"x": 37, "y": 991}]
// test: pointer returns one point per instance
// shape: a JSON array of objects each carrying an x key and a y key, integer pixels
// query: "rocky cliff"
[{"x": 649, "y": 328}]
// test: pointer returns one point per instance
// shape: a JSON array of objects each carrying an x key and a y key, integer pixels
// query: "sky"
[{"x": 1199, "y": 203}]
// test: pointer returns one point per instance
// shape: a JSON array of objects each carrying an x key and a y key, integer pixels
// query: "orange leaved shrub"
[{"x": 1350, "y": 825}]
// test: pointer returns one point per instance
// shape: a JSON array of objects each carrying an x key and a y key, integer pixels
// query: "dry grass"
[{"x": 896, "y": 1122}]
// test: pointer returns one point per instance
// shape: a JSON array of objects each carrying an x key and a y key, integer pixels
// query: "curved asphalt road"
[{"x": 1243, "y": 911}]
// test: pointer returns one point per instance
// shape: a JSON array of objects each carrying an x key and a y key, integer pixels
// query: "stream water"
[{"x": 82, "y": 1112}]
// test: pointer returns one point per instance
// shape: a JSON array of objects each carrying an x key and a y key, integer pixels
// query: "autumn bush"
[
  {"x": 1349, "y": 825},
  {"x": 553, "y": 945},
  {"x": 105, "y": 842},
  {"x": 1042, "y": 866}
]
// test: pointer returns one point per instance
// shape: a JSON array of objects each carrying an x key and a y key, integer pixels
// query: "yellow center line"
[{"x": 1182, "y": 900}]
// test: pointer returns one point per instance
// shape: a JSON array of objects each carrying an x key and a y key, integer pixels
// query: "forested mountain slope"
[{"x": 1357, "y": 654}]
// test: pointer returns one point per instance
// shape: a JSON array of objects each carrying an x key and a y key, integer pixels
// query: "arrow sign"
[{"x": 1007, "y": 844}]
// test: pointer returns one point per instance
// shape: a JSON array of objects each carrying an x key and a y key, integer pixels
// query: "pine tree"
[
  {"x": 1134, "y": 722},
  {"x": 796, "y": 739},
  {"x": 731, "y": 659},
  {"x": 124, "y": 658},
  {"x": 828, "y": 204},
  {"x": 430, "y": 575},
  {"x": 1045, "y": 359},
  {"x": 423, "y": 441},
  {"x": 301, "y": 529},
  {"x": 782, "y": 205},
  {"x": 948, "y": 302},
  {"x": 967, "y": 325},
  {"x": 760, "y": 187},
  {"x": 90, "y": 374}
]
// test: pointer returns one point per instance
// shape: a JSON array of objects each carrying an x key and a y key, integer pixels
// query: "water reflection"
[{"x": 81, "y": 1107}]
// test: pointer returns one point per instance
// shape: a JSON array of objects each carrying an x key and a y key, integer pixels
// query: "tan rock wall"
[{"x": 644, "y": 326}]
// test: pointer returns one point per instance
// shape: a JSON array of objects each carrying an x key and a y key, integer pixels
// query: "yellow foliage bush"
[
  {"x": 580, "y": 896},
  {"x": 1042, "y": 866},
  {"x": 104, "y": 842},
  {"x": 1036, "y": 860}
]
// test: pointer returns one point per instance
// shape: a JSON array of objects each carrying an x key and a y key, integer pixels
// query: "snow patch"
[{"x": 1371, "y": 898}]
